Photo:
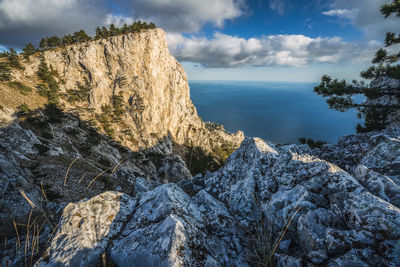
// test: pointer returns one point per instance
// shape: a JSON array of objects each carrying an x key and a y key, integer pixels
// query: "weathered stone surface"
[
  {"x": 171, "y": 229},
  {"x": 85, "y": 229}
]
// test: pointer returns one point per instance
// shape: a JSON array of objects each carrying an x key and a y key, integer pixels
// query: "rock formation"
[{"x": 81, "y": 189}]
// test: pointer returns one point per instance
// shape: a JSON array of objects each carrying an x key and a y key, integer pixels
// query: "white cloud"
[
  {"x": 23, "y": 21},
  {"x": 224, "y": 51},
  {"x": 342, "y": 13},
  {"x": 185, "y": 15},
  {"x": 366, "y": 16}
]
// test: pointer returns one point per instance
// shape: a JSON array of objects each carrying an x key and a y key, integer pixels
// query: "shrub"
[
  {"x": 23, "y": 89},
  {"x": 23, "y": 110},
  {"x": 311, "y": 143},
  {"x": 81, "y": 93},
  {"x": 4, "y": 72}
]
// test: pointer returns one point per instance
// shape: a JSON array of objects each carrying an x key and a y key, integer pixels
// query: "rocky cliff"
[
  {"x": 152, "y": 85},
  {"x": 83, "y": 187}
]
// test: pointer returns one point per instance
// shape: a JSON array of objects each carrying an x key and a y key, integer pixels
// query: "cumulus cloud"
[
  {"x": 366, "y": 16},
  {"x": 23, "y": 21},
  {"x": 276, "y": 50},
  {"x": 185, "y": 15}
]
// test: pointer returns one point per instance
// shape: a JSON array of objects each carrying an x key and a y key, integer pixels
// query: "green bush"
[
  {"x": 4, "y": 72},
  {"x": 23, "y": 89},
  {"x": 81, "y": 93}
]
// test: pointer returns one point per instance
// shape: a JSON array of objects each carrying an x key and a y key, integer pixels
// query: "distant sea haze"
[{"x": 280, "y": 112}]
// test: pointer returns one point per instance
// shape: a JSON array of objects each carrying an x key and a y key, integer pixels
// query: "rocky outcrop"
[{"x": 236, "y": 216}]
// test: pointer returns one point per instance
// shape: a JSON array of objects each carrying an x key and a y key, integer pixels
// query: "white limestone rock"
[{"x": 85, "y": 229}]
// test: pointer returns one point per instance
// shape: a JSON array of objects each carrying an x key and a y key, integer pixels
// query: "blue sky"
[{"x": 277, "y": 40}]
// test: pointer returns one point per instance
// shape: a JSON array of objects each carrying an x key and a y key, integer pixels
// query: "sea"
[{"x": 281, "y": 112}]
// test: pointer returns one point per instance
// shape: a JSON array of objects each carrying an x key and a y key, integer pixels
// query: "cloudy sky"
[{"x": 275, "y": 40}]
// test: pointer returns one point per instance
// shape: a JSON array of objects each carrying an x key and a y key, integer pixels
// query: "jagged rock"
[
  {"x": 171, "y": 229},
  {"x": 85, "y": 229},
  {"x": 336, "y": 212}
]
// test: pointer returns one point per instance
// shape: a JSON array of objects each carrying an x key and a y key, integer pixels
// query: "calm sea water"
[{"x": 279, "y": 112}]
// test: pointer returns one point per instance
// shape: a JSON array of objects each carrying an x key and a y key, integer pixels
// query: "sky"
[{"x": 270, "y": 40}]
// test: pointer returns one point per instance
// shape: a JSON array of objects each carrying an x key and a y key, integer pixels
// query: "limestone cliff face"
[{"x": 153, "y": 85}]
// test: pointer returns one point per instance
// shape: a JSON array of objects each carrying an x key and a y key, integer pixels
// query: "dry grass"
[
  {"x": 16, "y": 231},
  {"x": 83, "y": 176},
  {"x": 33, "y": 205},
  {"x": 43, "y": 192},
  {"x": 113, "y": 171},
  {"x": 66, "y": 174},
  {"x": 94, "y": 179},
  {"x": 264, "y": 241}
]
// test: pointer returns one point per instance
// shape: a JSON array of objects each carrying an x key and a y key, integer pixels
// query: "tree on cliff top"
[{"x": 340, "y": 93}]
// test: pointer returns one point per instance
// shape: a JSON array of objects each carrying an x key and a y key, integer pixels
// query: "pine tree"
[
  {"x": 341, "y": 93},
  {"x": 104, "y": 32},
  {"x": 114, "y": 30},
  {"x": 50, "y": 87},
  {"x": 13, "y": 59},
  {"x": 67, "y": 39},
  {"x": 44, "y": 44},
  {"x": 29, "y": 50},
  {"x": 98, "y": 34}
]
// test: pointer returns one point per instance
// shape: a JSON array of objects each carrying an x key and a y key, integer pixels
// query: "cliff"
[{"x": 153, "y": 85}]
